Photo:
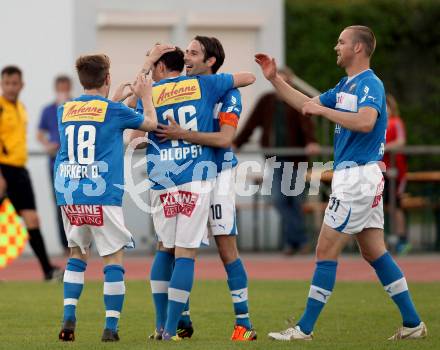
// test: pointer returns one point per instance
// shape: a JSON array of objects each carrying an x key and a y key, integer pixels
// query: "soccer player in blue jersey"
[
  {"x": 88, "y": 175},
  {"x": 357, "y": 105},
  {"x": 182, "y": 197},
  {"x": 203, "y": 56}
]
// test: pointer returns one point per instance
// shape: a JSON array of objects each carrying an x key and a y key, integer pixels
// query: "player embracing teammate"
[
  {"x": 182, "y": 179},
  {"x": 203, "y": 56}
]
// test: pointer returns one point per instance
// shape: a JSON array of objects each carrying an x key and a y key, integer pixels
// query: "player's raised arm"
[
  {"x": 154, "y": 54},
  {"x": 242, "y": 79},
  {"x": 150, "y": 59},
  {"x": 289, "y": 94},
  {"x": 142, "y": 88}
]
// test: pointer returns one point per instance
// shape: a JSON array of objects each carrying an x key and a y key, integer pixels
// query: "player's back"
[
  {"x": 190, "y": 101},
  {"x": 89, "y": 162}
]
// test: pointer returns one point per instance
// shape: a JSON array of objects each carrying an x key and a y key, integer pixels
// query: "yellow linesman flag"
[{"x": 13, "y": 234}]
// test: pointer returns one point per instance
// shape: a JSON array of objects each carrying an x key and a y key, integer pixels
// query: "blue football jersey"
[
  {"x": 190, "y": 101},
  {"x": 89, "y": 166},
  {"x": 228, "y": 107},
  {"x": 349, "y": 95}
]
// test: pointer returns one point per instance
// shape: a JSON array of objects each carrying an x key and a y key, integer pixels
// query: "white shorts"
[
  {"x": 222, "y": 215},
  {"x": 180, "y": 214},
  {"x": 102, "y": 223},
  {"x": 356, "y": 201}
]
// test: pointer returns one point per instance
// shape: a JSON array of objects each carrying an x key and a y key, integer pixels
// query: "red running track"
[{"x": 424, "y": 268}]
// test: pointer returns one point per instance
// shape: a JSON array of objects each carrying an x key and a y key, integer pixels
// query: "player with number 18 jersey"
[
  {"x": 89, "y": 178},
  {"x": 89, "y": 168}
]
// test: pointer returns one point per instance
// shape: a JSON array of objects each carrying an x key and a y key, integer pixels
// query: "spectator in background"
[
  {"x": 283, "y": 126},
  {"x": 13, "y": 157},
  {"x": 49, "y": 137},
  {"x": 396, "y": 137}
]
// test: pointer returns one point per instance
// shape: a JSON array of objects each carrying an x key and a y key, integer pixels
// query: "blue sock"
[
  {"x": 238, "y": 285},
  {"x": 178, "y": 292},
  {"x": 114, "y": 293},
  {"x": 185, "y": 318},
  {"x": 322, "y": 286},
  {"x": 395, "y": 285},
  {"x": 73, "y": 286},
  {"x": 160, "y": 276}
]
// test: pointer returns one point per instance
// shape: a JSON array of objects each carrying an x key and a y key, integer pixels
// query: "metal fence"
[
  {"x": 258, "y": 223},
  {"x": 426, "y": 200}
]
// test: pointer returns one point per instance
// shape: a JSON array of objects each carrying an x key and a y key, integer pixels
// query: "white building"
[{"x": 45, "y": 37}]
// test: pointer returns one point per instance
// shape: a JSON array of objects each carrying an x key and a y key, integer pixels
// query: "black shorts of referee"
[{"x": 19, "y": 187}]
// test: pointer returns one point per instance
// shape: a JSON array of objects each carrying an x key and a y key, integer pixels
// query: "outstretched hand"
[
  {"x": 172, "y": 131},
  {"x": 267, "y": 64}
]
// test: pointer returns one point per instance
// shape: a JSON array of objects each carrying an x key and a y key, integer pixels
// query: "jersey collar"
[{"x": 357, "y": 75}]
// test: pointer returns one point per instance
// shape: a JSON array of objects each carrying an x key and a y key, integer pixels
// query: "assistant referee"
[{"x": 13, "y": 157}]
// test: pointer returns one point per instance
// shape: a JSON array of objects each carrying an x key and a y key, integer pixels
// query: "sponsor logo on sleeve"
[{"x": 346, "y": 102}]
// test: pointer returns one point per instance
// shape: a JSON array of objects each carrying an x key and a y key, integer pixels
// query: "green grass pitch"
[{"x": 358, "y": 316}]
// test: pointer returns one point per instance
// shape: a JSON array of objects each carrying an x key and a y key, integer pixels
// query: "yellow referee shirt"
[{"x": 13, "y": 125}]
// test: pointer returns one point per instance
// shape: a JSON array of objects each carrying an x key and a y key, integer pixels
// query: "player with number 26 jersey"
[{"x": 190, "y": 101}]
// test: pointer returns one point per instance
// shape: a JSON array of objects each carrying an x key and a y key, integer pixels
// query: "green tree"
[{"x": 407, "y": 56}]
